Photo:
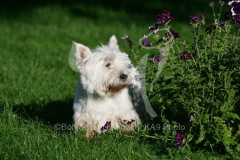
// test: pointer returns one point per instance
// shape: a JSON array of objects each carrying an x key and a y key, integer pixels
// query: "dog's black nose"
[{"x": 123, "y": 77}]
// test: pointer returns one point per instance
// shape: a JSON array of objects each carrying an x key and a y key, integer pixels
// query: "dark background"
[{"x": 140, "y": 9}]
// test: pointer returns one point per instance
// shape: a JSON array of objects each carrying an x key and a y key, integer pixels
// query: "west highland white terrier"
[{"x": 102, "y": 99}]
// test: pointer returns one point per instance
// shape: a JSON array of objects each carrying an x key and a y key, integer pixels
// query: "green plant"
[{"x": 196, "y": 85}]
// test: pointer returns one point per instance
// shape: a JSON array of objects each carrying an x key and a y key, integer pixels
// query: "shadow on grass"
[
  {"x": 143, "y": 11},
  {"x": 56, "y": 112}
]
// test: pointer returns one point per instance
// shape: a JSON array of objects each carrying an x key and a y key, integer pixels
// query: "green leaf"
[
  {"x": 202, "y": 134},
  {"x": 231, "y": 115},
  {"x": 238, "y": 147}
]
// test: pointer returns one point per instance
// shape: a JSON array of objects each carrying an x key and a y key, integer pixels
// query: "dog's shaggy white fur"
[{"x": 102, "y": 100}]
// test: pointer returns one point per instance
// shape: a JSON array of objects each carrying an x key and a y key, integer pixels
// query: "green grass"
[{"x": 37, "y": 86}]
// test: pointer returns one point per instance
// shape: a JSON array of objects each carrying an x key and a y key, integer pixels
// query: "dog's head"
[{"x": 105, "y": 70}]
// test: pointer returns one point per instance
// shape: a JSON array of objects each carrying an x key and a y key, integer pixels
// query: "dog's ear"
[
  {"x": 82, "y": 52},
  {"x": 113, "y": 42}
]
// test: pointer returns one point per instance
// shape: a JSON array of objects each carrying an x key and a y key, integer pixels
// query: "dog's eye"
[{"x": 107, "y": 65}]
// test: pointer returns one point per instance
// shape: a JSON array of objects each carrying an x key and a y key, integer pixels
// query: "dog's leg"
[{"x": 89, "y": 132}]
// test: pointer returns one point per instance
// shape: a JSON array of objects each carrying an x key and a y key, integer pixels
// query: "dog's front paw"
[
  {"x": 90, "y": 133},
  {"x": 79, "y": 123}
]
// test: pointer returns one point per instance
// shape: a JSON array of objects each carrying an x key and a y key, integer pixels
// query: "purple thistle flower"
[
  {"x": 186, "y": 56},
  {"x": 106, "y": 126},
  {"x": 161, "y": 56},
  {"x": 168, "y": 35},
  {"x": 157, "y": 58},
  {"x": 130, "y": 122},
  {"x": 197, "y": 19},
  {"x": 235, "y": 7},
  {"x": 235, "y": 11},
  {"x": 163, "y": 17},
  {"x": 179, "y": 144},
  {"x": 153, "y": 29},
  {"x": 192, "y": 116},
  {"x": 180, "y": 138},
  {"x": 221, "y": 24},
  {"x": 128, "y": 40},
  {"x": 145, "y": 42},
  {"x": 214, "y": 26}
]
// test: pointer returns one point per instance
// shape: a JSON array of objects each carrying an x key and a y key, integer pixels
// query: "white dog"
[{"x": 102, "y": 100}]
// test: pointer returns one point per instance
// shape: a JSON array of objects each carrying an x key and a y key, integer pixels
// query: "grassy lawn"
[{"x": 37, "y": 85}]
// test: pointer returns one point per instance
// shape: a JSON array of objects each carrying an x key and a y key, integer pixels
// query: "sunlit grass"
[{"x": 37, "y": 85}]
